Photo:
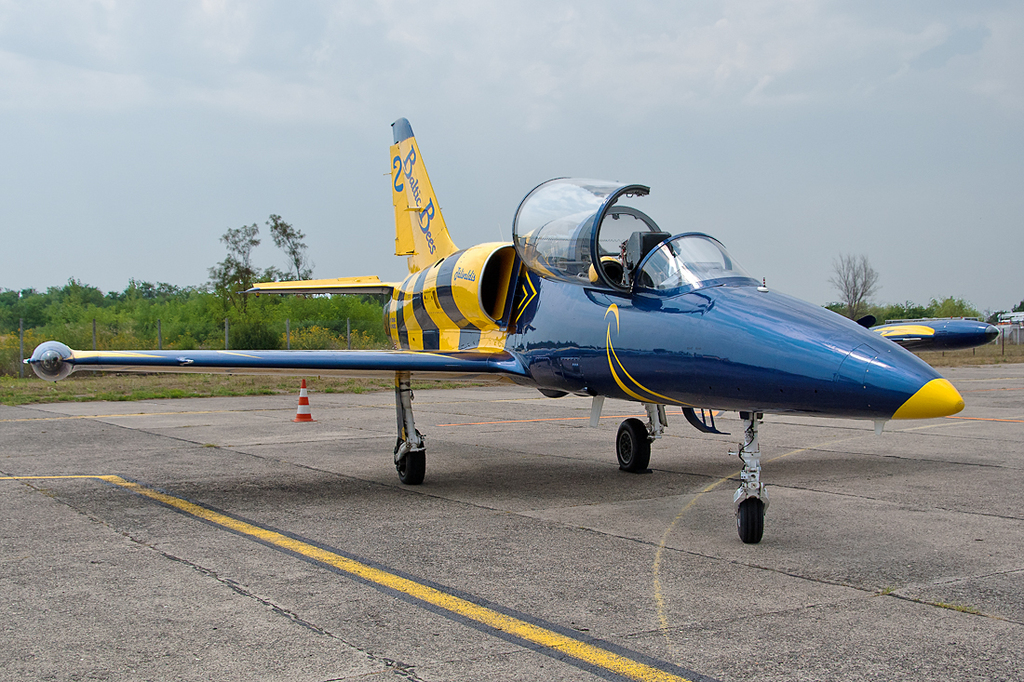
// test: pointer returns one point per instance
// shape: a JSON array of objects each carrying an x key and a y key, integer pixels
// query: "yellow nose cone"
[{"x": 937, "y": 398}]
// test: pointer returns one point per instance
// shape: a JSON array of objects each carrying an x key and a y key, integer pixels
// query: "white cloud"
[
  {"x": 748, "y": 111},
  {"x": 545, "y": 59}
]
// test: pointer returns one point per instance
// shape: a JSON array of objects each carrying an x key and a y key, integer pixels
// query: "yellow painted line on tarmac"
[
  {"x": 936, "y": 425},
  {"x": 582, "y": 651},
  {"x": 662, "y": 545},
  {"x": 988, "y": 419},
  {"x": 659, "y": 599},
  {"x": 967, "y": 381},
  {"x": 988, "y": 390}
]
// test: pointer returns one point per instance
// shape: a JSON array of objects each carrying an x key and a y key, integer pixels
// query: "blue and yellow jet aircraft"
[
  {"x": 592, "y": 298},
  {"x": 938, "y": 333}
]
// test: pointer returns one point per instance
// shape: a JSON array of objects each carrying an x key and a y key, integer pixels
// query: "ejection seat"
[{"x": 635, "y": 249}]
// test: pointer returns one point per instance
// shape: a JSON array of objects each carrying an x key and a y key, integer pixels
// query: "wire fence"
[
  {"x": 349, "y": 333},
  {"x": 1011, "y": 333}
]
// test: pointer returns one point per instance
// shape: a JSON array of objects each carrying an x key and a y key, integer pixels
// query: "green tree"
[
  {"x": 235, "y": 274},
  {"x": 290, "y": 240},
  {"x": 952, "y": 307},
  {"x": 72, "y": 303},
  {"x": 836, "y": 307},
  {"x": 9, "y": 309},
  {"x": 908, "y": 310},
  {"x": 190, "y": 317}
]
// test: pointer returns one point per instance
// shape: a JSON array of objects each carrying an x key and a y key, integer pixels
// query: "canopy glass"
[
  {"x": 690, "y": 261},
  {"x": 554, "y": 230}
]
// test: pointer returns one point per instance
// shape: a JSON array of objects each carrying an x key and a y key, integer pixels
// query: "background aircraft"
[
  {"x": 592, "y": 298},
  {"x": 938, "y": 334}
]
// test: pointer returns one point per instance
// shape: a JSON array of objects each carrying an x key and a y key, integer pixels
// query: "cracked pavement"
[{"x": 887, "y": 556}]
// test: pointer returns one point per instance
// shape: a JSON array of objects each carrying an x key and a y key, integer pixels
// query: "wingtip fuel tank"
[{"x": 50, "y": 361}]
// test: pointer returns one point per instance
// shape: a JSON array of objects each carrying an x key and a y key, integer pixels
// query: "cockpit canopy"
[
  {"x": 555, "y": 235},
  {"x": 687, "y": 262}
]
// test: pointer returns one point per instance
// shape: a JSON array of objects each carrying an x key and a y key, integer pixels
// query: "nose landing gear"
[{"x": 751, "y": 498}]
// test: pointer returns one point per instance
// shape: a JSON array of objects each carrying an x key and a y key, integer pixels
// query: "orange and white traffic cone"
[{"x": 303, "y": 414}]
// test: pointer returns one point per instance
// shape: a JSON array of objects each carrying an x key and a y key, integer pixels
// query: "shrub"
[
  {"x": 9, "y": 351},
  {"x": 251, "y": 335},
  {"x": 315, "y": 337}
]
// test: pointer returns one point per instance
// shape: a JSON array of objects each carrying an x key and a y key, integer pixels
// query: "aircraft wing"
[
  {"x": 920, "y": 335},
  {"x": 337, "y": 285},
  {"x": 53, "y": 361}
]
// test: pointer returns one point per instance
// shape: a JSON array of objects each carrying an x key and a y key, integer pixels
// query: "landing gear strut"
[
  {"x": 633, "y": 441},
  {"x": 751, "y": 498},
  {"x": 410, "y": 450}
]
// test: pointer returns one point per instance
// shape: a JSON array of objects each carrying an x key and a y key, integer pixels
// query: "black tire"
[
  {"x": 413, "y": 468},
  {"x": 750, "y": 520},
  {"x": 632, "y": 446}
]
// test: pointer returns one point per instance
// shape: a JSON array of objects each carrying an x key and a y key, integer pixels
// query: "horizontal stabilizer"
[
  {"x": 53, "y": 361},
  {"x": 337, "y": 285}
]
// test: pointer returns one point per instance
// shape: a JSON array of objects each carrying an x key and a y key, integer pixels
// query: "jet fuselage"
[{"x": 722, "y": 347}]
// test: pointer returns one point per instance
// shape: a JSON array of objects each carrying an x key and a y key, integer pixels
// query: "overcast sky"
[{"x": 133, "y": 134}]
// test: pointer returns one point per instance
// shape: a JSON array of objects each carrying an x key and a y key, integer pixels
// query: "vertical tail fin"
[{"x": 420, "y": 231}]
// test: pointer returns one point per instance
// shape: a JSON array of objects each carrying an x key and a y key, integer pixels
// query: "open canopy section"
[
  {"x": 690, "y": 261},
  {"x": 572, "y": 229}
]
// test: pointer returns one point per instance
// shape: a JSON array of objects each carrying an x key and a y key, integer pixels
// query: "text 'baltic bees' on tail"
[{"x": 420, "y": 231}]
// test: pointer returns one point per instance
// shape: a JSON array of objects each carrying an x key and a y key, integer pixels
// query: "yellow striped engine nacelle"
[{"x": 462, "y": 302}]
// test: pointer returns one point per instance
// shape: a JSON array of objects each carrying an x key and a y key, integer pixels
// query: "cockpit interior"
[{"x": 574, "y": 229}]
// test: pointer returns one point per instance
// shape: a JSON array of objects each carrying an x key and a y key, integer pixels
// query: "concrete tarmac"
[{"x": 227, "y": 542}]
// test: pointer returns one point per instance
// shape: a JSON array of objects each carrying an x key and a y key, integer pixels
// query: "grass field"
[
  {"x": 992, "y": 354},
  {"x": 85, "y": 386}
]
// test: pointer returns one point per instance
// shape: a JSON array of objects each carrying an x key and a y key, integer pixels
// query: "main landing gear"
[
  {"x": 751, "y": 498},
  {"x": 633, "y": 441},
  {"x": 410, "y": 450}
]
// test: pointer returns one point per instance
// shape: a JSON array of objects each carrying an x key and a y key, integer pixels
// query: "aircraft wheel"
[
  {"x": 412, "y": 468},
  {"x": 632, "y": 447},
  {"x": 750, "y": 520}
]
